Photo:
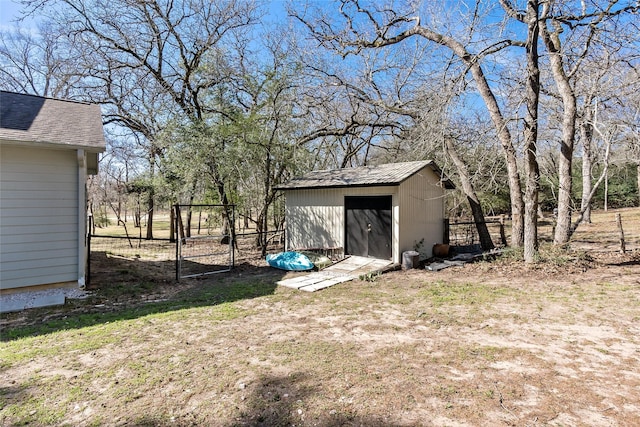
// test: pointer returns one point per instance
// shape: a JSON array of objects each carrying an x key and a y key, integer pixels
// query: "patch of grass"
[
  {"x": 32, "y": 411},
  {"x": 441, "y": 294},
  {"x": 30, "y": 404},
  {"x": 99, "y": 310},
  {"x": 370, "y": 277},
  {"x": 47, "y": 345},
  {"x": 471, "y": 354},
  {"x": 511, "y": 254}
]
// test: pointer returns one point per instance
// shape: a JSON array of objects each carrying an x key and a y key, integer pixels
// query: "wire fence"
[
  {"x": 134, "y": 247},
  {"x": 109, "y": 253},
  {"x": 465, "y": 233},
  {"x": 157, "y": 257},
  {"x": 612, "y": 231}
]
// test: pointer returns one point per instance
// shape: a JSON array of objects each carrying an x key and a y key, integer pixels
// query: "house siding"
[{"x": 39, "y": 234}]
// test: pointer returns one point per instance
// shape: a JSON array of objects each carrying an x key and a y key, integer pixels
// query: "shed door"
[{"x": 368, "y": 226}]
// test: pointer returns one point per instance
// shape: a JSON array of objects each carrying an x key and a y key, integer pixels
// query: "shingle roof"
[
  {"x": 364, "y": 176},
  {"x": 47, "y": 121}
]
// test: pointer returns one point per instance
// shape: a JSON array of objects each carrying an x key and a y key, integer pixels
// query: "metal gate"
[{"x": 204, "y": 239}]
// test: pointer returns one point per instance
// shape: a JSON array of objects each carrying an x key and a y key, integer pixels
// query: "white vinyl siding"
[{"x": 38, "y": 216}]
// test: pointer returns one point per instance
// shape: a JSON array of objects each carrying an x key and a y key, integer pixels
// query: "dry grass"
[{"x": 493, "y": 343}]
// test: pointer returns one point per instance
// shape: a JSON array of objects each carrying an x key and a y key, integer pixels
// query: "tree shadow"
[
  {"x": 125, "y": 289},
  {"x": 628, "y": 263},
  {"x": 279, "y": 401}
]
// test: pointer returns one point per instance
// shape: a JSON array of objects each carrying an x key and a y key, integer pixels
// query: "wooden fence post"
[
  {"x": 503, "y": 236},
  {"x": 172, "y": 224},
  {"x": 179, "y": 224},
  {"x": 445, "y": 237},
  {"x": 619, "y": 221}
]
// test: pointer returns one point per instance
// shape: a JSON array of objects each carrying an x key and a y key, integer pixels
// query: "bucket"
[
  {"x": 441, "y": 250},
  {"x": 410, "y": 259}
]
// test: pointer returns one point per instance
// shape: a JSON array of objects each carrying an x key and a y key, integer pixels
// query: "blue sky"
[{"x": 9, "y": 11}]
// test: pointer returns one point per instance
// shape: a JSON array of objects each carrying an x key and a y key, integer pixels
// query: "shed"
[
  {"x": 372, "y": 211},
  {"x": 47, "y": 149}
]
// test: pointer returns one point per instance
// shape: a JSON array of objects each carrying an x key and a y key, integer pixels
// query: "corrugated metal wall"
[
  {"x": 315, "y": 217},
  {"x": 38, "y": 216},
  {"x": 421, "y": 212}
]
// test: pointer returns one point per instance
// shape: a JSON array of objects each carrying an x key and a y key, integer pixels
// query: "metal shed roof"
[
  {"x": 364, "y": 176},
  {"x": 32, "y": 119}
]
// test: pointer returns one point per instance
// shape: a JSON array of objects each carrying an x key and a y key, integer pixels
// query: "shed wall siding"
[
  {"x": 421, "y": 212},
  {"x": 315, "y": 218},
  {"x": 38, "y": 216}
]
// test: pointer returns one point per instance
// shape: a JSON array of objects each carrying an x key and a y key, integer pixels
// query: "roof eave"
[
  {"x": 317, "y": 187},
  {"x": 54, "y": 145}
]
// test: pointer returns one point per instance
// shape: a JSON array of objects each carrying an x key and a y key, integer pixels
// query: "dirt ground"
[{"x": 487, "y": 344}]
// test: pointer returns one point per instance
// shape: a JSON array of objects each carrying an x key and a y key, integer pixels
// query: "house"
[
  {"x": 373, "y": 211},
  {"x": 47, "y": 149}
]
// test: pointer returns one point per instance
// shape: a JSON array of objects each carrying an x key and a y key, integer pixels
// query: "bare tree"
[
  {"x": 363, "y": 27},
  {"x": 146, "y": 62},
  {"x": 531, "y": 17},
  {"x": 585, "y": 25},
  {"x": 605, "y": 82},
  {"x": 36, "y": 64}
]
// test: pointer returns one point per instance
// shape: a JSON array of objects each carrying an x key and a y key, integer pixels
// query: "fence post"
[
  {"x": 176, "y": 215},
  {"x": 172, "y": 224},
  {"x": 445, "y": 237},
  {"x": 619, "y": 222},
  {"x": 232, "y": 238},
  {"x": 503, "y": 237}
]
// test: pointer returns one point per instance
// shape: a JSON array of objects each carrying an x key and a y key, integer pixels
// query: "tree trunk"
[
  {"x": 515, "y": 188},
  {"x": 500, "y": 124},
  {"x": 532, "y": 171},
  {"x": 150, "y": 202},
  {"x": 192, "y": 195},
  {"x": 151, "y": 195},
  {"x": 469, "y": 191},
  {"x": 594, "y": 188},
  {"x": 262, "y": 227},
  {"x": 638, "y": 179},
  {"x": 621, "y": 232},
  {"x": 586, "y": 137},
  {"x": 228, "y": 224},
  {"x": 189, "y": 216},
  {"x": 569, "y": 115},
  {"x": 606, "y": 192}
]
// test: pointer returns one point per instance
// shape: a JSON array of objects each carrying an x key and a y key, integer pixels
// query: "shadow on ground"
[
  {"x": 123, "y": 289},
  {"x": 283, "y": 401},
  {"x": 289, "y": 400}
]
